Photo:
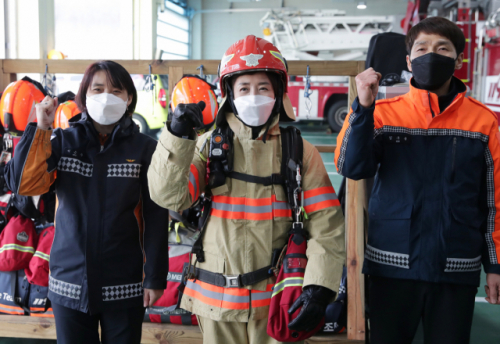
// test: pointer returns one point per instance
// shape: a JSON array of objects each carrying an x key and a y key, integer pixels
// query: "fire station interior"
[{"x": 160, "y": 41}]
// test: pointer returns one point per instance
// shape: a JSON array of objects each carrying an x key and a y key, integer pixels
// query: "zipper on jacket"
[
  {"x": 430, "y": 105},
  {"x": 453, "y": 154}
]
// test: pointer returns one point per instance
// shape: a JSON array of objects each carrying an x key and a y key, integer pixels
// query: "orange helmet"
[
  {"x": 193, "y": 89},
  {"x": 64, "y": 113},
  {"x": 252, "y": 54},
  {"x": 17, "y": 106}
]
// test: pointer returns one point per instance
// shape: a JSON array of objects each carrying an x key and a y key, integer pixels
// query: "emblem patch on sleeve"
[{"x": 22, "y": 237}]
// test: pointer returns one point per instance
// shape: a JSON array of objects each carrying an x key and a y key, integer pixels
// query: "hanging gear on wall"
[
  {"x": 307, "y": 94},
  {"x": 150, "y": 86},
  {"x": 49, "y": 82}
]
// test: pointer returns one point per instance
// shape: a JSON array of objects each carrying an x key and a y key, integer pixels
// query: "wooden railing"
[{"x": 27, "y": 327}]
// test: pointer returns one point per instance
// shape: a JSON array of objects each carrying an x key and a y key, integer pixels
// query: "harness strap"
[
  {"x": 198, "y": 244},
  {"x": 231, "y": 281},
  {"x": 274, "y": 179}
]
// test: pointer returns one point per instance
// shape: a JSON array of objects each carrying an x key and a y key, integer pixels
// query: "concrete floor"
[{"x": 486, "y": 323}]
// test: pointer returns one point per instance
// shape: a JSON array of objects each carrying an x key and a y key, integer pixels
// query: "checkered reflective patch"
[
  {"x": 432, "y": 132},
  {"x": 124, "y": 170},
  {"x": 72, "y": 291},
  {"x": 463, "y": 264},
  {"x": 120, "y": 292},
  {"x": 492, "y": 209},
  {"x": 76, "y": 166},
  {"x": 388, "y": 258},
  {"x": 343, "y": 146}
]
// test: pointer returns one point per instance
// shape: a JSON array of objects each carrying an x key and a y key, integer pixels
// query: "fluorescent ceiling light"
[{"x": 361, "y": 5}]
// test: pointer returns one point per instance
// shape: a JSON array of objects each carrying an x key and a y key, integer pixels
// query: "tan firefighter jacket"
[{"x": 248, "y": 220}]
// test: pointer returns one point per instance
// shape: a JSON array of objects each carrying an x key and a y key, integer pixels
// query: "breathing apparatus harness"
[{"x": 220, "y": 167}]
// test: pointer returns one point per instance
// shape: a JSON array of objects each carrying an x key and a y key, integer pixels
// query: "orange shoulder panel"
[{"x": 35, "y": 180}]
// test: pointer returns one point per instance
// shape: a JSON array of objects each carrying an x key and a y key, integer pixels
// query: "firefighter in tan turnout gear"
[{"x": 249, "y": 217}]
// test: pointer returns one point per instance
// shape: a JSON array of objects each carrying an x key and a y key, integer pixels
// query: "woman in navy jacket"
[{"x": 109, "y": 258}]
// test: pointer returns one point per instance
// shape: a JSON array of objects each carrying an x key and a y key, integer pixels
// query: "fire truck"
[
  {"x": 488, "y": 63},
  {"x": 321, "y": 35}
]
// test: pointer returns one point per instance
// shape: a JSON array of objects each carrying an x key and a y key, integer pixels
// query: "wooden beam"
[
  {"x": 15, "y": 326},
  {"x": 174, "y": 75},
  {"x": 326, "y": 148},
  {"x": 342, "y": 68},
  {"x": 7, "y": 78},
  {"x": 355, "y": 236}
]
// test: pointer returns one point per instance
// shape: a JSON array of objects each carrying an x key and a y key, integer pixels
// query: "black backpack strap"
[
  {"x": 274, "y": 179},
  {"x": 292, "y": 151},
  {"x": 198, "y": 244}
]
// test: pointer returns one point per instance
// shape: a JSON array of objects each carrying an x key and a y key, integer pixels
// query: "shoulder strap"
[{"x": 292, "y": 150}]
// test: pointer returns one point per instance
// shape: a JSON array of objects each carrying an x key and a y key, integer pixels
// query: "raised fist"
[
  {"x": 367, "y": 85},
  {"x": 45, "y": 112},
  {"x": 187, "y": 117}
]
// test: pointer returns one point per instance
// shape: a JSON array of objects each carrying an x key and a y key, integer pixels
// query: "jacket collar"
[
  {"x": 125, "y": 127},
  {"x": 245, "y": 132},
  {"x": 428, "y": 102}
]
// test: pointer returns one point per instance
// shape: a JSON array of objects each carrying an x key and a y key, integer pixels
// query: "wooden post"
[
  {"x": 174, "y": 75},
  {"x": 355, "y": 237},
  {"x": 6, "y": 78}
]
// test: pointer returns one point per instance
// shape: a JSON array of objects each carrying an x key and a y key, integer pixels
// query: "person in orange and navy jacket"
[
  {"x": 434, "y": 212},
  {"x": 106, "y": 223}
]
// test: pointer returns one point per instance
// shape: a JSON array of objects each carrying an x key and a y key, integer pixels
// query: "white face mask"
[
  {"x": 254, "y": 111},
  {"x": 106, "y": 108}
]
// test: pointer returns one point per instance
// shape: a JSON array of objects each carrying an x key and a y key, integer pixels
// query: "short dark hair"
[
  {"x": 116, "y": 74},
  {"x": 439, "y": 26}
]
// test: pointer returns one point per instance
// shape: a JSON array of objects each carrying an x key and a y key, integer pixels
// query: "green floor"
[{"x": 486, "y": 323}]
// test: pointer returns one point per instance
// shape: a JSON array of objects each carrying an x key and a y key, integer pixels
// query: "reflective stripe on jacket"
[
  {"x": 434, "y": 207},
  {"x": 248, "y": 220}
]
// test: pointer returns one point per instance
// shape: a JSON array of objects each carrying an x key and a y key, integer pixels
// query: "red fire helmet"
[{"x": 252, "y": 54}]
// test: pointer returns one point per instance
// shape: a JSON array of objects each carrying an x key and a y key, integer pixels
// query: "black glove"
[
  {"x": 313, "y": 300},
  {"x": 186, "y": 117}
]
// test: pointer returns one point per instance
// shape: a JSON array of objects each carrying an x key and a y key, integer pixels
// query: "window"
[{"x": 173, "y": 31}]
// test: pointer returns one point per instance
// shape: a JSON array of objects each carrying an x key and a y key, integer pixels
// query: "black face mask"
[{"x": 432, "y": 70}]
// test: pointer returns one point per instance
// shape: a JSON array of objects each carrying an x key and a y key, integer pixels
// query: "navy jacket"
[
  {"x": 111, "y": 239},
  {"x": 434, "y": 210}
]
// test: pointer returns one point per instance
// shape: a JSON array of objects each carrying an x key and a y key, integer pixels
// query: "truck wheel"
[
  {"x": 337, "y": 114},
  {"x": 141, "y": 123}
]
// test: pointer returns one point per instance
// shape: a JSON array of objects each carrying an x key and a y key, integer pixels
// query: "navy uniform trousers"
[
  {"x": 123, "y": 326},
  {"x": 397, "y": 306}
]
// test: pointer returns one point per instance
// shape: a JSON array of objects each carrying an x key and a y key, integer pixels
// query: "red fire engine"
[{"x": 322, "y": 35}]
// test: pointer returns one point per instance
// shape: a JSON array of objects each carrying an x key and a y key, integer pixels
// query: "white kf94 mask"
[
  {"x": 106, "y": 108},
  {"x": 254, "y": 111}
]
